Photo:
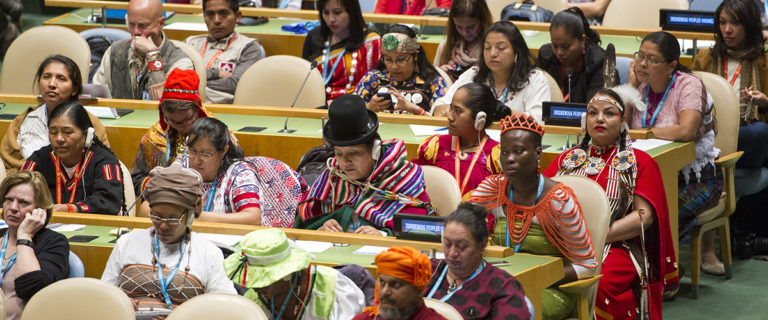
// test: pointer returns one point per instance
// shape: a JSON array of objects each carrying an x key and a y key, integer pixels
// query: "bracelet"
[
  {"x": 153, "y": 55},
  {"x": 156, "y": 65},
  {"x": 25, "y": 242}
]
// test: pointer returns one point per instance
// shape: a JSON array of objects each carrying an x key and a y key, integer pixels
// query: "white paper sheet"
[
  {"x": 648, "y": 144},
  {"x": 103, "y": 112},
  {"x": 223, "y": 239},
  {"x": 372, "y": 250},
  {"x": 422, "y": 130},
  {"x": 187, "y": 26},
  {"x": 69, "y": 227},
  {"x": 313, "y": 246}
]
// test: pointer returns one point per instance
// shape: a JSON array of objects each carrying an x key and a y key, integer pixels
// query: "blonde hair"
[{"x": 35, "y": 179}]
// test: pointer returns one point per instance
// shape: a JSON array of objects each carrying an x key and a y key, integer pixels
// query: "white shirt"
[
  {"x": 348, "y": 301},
  {"x": 33, "y": 133},
  {"x": 205, "y": 260},
  {"x": 528, "y": 100}
]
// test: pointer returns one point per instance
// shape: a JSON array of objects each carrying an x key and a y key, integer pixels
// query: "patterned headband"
[
  {"x": 399, "y": 42},
  {"x": 609, "y": 100}
]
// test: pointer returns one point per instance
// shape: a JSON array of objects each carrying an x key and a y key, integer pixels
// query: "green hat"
[{"x": 265, "y": 256}]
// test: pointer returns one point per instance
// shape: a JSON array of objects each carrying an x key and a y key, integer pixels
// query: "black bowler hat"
[{"x": 349, "y": 122}]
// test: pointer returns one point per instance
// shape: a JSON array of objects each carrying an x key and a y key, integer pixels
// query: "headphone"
[
  {"x": 376, "y": 150},
  {"x": 480, "y": 120},
  {"x": 583, "y": 122},
  {"x": 89, "y": 137}
]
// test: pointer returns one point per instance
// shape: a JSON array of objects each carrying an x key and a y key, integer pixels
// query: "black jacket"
[
  {"x": 52, "y": 252},
  {"x": 584, "y": 82}
]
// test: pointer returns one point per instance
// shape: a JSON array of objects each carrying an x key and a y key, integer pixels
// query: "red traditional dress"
[
  {"x": 342, "y": 69},
  {"x": 616, "y": 296},
  {"x": 441, "y": 151}
]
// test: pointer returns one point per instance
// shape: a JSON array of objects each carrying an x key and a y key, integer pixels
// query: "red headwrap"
[
  {"x": 404, "y": 263},
  {"x": 182, "y": 85}
]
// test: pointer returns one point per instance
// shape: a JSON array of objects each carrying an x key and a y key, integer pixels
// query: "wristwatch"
[{"x": 25, "y": 242}]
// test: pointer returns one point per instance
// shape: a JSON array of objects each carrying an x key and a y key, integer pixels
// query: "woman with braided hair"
[
  {"x": 639, "y": 229},
  {"x": 533, "y": 214},
  {"x": 367, "y": 181}
]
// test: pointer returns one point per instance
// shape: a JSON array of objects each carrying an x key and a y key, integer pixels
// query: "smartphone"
[{"x": 499, "y": 263}]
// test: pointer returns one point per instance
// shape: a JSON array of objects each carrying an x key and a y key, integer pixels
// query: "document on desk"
[
  {"x": 227, "y": 241},
  {"x": 313, "y": 246},
  {"x": 191, "y": 26},
  {"x": 68, "y": 227},
  {"x": 648, "y": 144},
  {"x": 425, "y": 131},
  {"x": 371, "y": 250},
  {"x": 103, "y": 112}
]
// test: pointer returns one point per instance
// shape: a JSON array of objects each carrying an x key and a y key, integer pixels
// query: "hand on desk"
[
  {"x": 368, "y": 230},
  {"x": 331, "y": 226}
]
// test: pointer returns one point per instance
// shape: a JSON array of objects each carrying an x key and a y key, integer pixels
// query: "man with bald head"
[{"x": 136, "y": 68}]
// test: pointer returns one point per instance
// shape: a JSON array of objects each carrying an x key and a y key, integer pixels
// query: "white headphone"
[
  {"x": 191, "y": 216},
  {"x": 480, "y": 121},
  {"x": 376, "y": 150},
  {"x": 89, "y": 137}
]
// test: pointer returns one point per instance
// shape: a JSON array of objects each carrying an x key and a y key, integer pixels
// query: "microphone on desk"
[
  {"x": 569, "y": 73},
  {"x": 312, "y": 66},
  {"x": 125, "y": 212}
]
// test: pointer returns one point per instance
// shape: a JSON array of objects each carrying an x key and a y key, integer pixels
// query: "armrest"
[
  {"x": 729, "y": 160},
  {"x": 579, "y": 286}
]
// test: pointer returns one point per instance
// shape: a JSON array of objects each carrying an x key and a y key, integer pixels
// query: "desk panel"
[{"x": 534, "y": 272}]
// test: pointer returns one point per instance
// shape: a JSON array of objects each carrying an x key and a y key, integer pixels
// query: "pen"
[{"x": 442, "y": 129}]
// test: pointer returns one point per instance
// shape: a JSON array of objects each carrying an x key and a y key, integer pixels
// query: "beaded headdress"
[
  {"x": 521, "y": 122},
  {"x": 399, "y": 42},
  {"x": 609, "y": 100}
]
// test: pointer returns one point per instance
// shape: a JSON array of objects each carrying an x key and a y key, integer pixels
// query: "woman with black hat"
[{"x": 368, "y": 180}]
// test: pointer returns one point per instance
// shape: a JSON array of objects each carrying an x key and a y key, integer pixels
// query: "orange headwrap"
[{"x": 404, "y": 263}]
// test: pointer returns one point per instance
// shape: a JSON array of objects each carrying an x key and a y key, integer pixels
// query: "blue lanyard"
[
  {"x": 511, "y": 197},
  {"x": 659, "y": 105},
  {"x": 285, "y": 300},
  {"x": 327, "y": 76},
  {"x": 160, "y": 276},
  {"x": 2, "y": 253},
  {"x": 167, "y": 150},
  {"x": 211, "y": 194},
  {"x": 450, "y": 294},
  {"x": 493, "y": 90}
]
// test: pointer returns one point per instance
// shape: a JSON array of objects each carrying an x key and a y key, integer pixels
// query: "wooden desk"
[
  {"x": 534, "y": 272},
  {"x": 277, "y": 42}
]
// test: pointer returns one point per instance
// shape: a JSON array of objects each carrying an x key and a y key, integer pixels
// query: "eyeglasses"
[
  {"x": 400, "y": 61},
  {"x": 639, "y": 57},
  {"x": 200, "y": 155},
  {"x": 182, "y": 122},
  {"x": 169, "y": 221}
]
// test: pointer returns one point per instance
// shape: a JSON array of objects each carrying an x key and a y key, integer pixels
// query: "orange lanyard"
[
  {"x": 210, "y": 63},
  {"x": 457, "y": 173},
  {"x": 725, "y": 71},
  {"x": 61, "y": 179}
]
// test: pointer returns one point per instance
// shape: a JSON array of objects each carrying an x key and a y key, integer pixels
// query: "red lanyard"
[
  {"x": 61, "y": 179},
  {"x": 210, "y": 62},
  {"x": 725, "y": 71},
  {"x": 457, "y": 173}
]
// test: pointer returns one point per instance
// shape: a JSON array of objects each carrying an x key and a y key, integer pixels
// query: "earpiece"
[
  {"x": 583, "y": 122},
  {"x": 89, "y": 137},
  {"x": 376, "y": 150},
  {"x": 480, "y": 121}
]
